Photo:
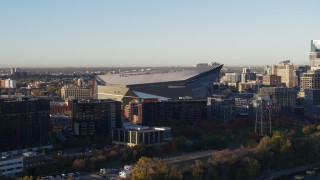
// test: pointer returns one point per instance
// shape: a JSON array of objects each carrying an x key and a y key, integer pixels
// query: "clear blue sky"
[{"x": 164, "y": 32}]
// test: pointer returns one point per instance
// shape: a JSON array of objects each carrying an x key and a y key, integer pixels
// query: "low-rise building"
[
  {"x": 32, "y": 159},
  {"x": 135, "y": 135},
  {"x": 11, "y": 166},
  {"x": 75, "y": 92}
]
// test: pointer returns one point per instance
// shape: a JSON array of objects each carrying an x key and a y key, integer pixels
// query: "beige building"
[
  {"x": 272, "y": 80},
  {"x": 74, "y": 92},
  {"x": 286, "y": 70},
  {"x": 309, "y": 80},
  {"x": 242, "y": 87}
]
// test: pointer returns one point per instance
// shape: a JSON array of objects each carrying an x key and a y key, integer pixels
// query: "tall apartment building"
[
  {"x": 300, "y": 71},
  {"x": 272, "y": 80},
  {"x": 165, "y": 113},
  {"x": 74, "y": 92},
  {"x": 95, "y": 118},
  {"x": 221, "y": 108},
  {"x": 314, "y": 55},
  {"x": 283, "y": 96},
  {"x": 247, "y": 75},
  {"x": 8, "y": 83},
  {"x": 2, "y": 83},
  {"x": 131, "y": 112},
  {"x": 233, "y": 77},
  {"x": 267, "y": 70},
  {"x": 286, "y": 70},
  {"x": 24, "y": 124},
  {"x": 312, "y": 103},
  {"x": 14, "y": 70},
  {"x": 309, "y": 80}
]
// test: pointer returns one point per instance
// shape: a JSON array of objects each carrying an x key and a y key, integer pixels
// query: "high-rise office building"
[
  {"x": 286, "y": 70},
  {"x": 283, "y": 96},
  {"x": 309, "y": 80},
  {"x": 14, "y": 70},
  {"x": 24, "y": 124},
  {"x": 233, "y": 77},
  {"x": 314, "y": 55},
  {"x": 312, "y": 103},
  {"x": 247, "y": 75},
  {"x": 95, "y": 118},
  {"x": 221, "y": 108},
  {"x": 166, "y": 113}
]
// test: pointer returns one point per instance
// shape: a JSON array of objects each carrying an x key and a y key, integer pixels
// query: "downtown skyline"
[{"x": 144, "y": 33}]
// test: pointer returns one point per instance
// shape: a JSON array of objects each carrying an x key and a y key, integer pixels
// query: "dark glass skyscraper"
[
  {"x": 23, "y": 124},
  {"x": 95, "y": 118}
]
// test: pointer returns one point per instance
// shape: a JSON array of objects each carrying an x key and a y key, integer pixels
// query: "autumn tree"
[
  {"x": 148, "y": 168},
  {"x": 198, "y": 170}
]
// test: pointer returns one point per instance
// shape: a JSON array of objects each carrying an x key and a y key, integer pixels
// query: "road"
[
  {"x": 188, "y": 157},
  {"x": 90, "y": 176},
  {"x": 290, "y": 173}
]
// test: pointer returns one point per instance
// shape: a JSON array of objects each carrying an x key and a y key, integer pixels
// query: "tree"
[
  {"x": 226, "y": 157},
  {"x": 174, "y": 172},
  {"x": 78, "y": 164},
  {"x": 252, "y": 168},
  {"x": 148, "y": 168},
  {"x": 198, "y": 170},
  {"x": 27, "y": 178}
]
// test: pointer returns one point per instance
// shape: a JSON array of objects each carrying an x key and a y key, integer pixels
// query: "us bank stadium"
[{"x": 161, "y": 83}]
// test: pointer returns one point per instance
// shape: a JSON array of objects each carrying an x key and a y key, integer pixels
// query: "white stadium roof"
[{"x": 154, "y": 75}]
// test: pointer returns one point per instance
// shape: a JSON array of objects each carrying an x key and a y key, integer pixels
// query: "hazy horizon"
[{"x": 155, "y": 33}]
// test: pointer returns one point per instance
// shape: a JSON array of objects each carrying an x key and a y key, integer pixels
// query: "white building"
[
  {"x": 10, "y": 83},
  {"x": 233, "y": 77},
  {"x": 11, "y": 166},
  {"x": 73, "y": 92}
]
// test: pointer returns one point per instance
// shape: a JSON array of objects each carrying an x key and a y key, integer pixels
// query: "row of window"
[{"x": 11, "y": 169}]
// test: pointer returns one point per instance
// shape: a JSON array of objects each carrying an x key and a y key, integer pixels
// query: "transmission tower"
[{"x": 265, "y": 112}]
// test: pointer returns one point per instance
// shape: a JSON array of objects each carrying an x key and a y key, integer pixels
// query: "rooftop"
[{"x": 155, "y": 75}]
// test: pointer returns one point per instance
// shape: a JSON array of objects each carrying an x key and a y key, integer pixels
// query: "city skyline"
[{"x": 144, "y": 33}]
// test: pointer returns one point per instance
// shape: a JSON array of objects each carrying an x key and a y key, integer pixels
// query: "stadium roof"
[{"x": 155, "y": 75}]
